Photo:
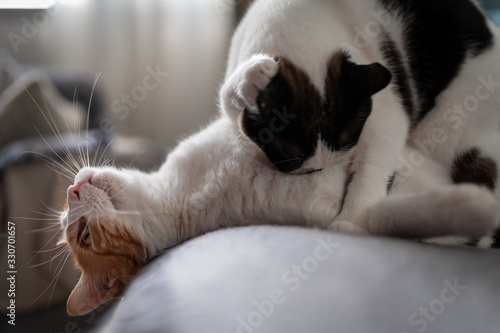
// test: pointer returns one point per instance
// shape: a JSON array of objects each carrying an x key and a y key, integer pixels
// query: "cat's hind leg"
[
  {"x": 424, "y": 202},
  {"x": 459, "y": 210},
  {"x": 242, "y": 87}
]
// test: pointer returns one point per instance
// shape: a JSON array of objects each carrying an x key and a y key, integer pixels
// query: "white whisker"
[
  {"x": 53, "y": 282},
  {"x": 61, "y": 251},
  {"x": 102, "y": 154},
  {"x": 88, "y": 115},
  {"x": 58, "y": 135},
  {"x": 54, "y": 225},
  {"x": 50, "y": 125}
]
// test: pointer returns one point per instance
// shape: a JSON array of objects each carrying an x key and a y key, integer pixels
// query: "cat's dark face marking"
[
  {"x": 470, "y": 167},
  {"x": 285, "y": 124},
  {"x": 435, "y": 56},
  {"x": 290, "y": 116}
]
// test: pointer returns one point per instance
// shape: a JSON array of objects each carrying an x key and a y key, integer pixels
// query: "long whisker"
[
  {"x": 88, "y": 115},
  {"x": 50, "y": 125},
  {"x": 51, "y": 239},
  {"x": 55, "y": 153},
  {"x": 50, "y": 227},
  {"x": 102, "y": 154},
  {"x": 53, "y": 214},
  {"x": 50, "y": 250},
  {"x": 57, "y": 167},
  {"x": 53, "y": 282},
  {"x": 53, "y": 125},
  {"x": 33, "y": 218},
  {"x": 61, "y": 251},
  {"x": 78, "y": 126},
  {"x": 57, "y": 276}
]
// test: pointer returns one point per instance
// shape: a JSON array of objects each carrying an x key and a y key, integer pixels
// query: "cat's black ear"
[
  {"x": 364, "y": 80},
  {"x": 348, "y": 91}
]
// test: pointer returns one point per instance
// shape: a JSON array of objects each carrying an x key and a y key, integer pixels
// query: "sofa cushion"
[{"x": 288, "y": 279}]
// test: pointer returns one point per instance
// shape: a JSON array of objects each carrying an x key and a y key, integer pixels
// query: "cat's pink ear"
[{"x": 88, "y": 295}]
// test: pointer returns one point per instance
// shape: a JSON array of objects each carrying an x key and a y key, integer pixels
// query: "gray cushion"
[{"x": 287, "y": 279}]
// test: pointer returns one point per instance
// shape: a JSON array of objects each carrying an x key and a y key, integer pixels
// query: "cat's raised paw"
[
  {"x": 257, "y": 74},
  {"x": 243, "y": 87}
]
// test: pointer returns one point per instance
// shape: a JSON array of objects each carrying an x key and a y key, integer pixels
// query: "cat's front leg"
[
  {"x": 360, "y": 195},
  {"x": 375, "y": 160},
  {"x": 243, "y": 85}
]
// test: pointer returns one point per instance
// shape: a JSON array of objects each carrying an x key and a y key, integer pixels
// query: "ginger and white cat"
[{"x": 334, "y": 118}]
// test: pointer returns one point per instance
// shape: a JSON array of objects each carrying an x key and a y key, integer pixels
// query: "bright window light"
[
  {"x": 38, "y": 4},
  {"x": 26, "y": 4}
]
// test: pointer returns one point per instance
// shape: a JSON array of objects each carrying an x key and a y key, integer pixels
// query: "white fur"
[{"x": 214, "y": 179}]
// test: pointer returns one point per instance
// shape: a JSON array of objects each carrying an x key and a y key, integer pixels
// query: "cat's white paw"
[
  {"x": 348, "y": 227},
  {"x": 257, "y": 74},
  {"x": 248, "y": 79},
  {"x": 475, "y": 210}
]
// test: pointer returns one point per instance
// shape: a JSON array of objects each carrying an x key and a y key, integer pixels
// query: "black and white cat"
[
  {"x": 370, "y": 77},
  {"x": 329, "y": 115}
]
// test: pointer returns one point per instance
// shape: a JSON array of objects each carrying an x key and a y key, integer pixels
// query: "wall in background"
[{"x": 133, "y": 44}]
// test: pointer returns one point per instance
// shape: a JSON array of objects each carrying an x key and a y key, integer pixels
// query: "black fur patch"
[
  {"x": 290, "y": 115},
  {"x": 390, "y": 182},
  {"x": 439, "y": 34},
  {"x": 470, "y": 167},
  {"x": 284, "y": 123},
  {"x": 348, "y": 91},
  {"x": 401, "y": 79},
  {"x": 346, "y": 188},
  {"x": 496, "y": 240}
]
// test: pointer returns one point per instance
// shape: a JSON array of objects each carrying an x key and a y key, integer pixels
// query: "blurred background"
[{"x": 145, "y": 71}]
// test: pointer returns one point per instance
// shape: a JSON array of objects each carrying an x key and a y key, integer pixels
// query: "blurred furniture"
[{"x": 43, "y": 121}]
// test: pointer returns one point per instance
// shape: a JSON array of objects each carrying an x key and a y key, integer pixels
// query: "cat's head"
[
  {"x": 102, "y": 228},
  {"x": 298, "y": 128}
]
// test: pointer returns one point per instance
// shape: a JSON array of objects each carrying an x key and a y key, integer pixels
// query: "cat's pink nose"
[{"x": 73, "y": 192}]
